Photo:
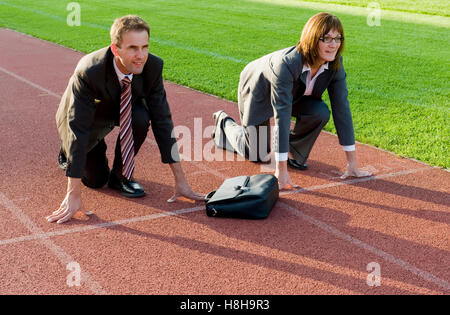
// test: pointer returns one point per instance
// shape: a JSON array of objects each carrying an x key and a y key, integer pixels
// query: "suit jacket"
[
  {"x": 89, "y": 108},
  {"x": 270, "y": 85}
]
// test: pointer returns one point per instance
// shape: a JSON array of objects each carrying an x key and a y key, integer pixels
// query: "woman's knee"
[
  {"x": 311, "y": 109},
  {"x": 323, "y": 113}
]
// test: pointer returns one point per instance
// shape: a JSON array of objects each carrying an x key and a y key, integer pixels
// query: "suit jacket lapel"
[
  {"x": 137, "y": 87},
  {"x": 303, "y": 77},
  {"x": 321, "y": 83},
  {"x": 112, "y": 83}
]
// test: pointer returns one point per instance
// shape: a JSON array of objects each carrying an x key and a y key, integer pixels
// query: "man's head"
[
  {"x": 129, "y": 43},
  {"x": 322, "y": 40}
]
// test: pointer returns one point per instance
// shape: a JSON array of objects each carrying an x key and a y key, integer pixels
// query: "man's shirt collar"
[{"x": 119, "y": 73}]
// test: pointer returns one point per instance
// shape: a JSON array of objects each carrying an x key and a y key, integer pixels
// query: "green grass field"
[
  {"x": 398, "y": 72},
  {"x": 434, "y": 7}
]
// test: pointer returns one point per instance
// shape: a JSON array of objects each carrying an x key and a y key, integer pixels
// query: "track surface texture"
[{"x": 331, "y": 236}]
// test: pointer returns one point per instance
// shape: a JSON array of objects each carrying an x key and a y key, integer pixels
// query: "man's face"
[{"x": 132, "y": 53}]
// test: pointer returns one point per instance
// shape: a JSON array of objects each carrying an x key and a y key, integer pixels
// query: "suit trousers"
[
  {"x": 96, "y": 171},
  {"x": 253, "y": 142},
  {"x": 311, "y": 115}
]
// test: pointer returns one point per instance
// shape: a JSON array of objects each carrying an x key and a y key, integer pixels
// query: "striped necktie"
[{"x": 126, "y": 130}]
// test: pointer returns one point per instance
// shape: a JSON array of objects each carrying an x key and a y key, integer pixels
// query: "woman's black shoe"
[
  {"x": 294, "y": 164},
  {"x": 62, "y": 160}
]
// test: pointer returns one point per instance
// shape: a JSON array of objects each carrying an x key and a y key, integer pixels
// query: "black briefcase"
[{"x": 247, "y": 197}]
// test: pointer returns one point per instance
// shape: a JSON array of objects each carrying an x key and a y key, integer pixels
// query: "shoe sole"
[
  {"x": 142, "y": 194},
  {"x": 133, "y": 195},
  {"x": 216, "y": 116},
  {"x": 297, "y": 168}
]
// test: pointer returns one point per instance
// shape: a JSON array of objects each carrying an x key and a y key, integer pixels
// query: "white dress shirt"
[{"x": 120, "y": 75}]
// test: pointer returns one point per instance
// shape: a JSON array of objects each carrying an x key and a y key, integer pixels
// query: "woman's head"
[{"x": 322, "y": 40}]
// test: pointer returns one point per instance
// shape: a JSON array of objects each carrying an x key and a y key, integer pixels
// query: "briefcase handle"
[{"x": 209, "y": 195}]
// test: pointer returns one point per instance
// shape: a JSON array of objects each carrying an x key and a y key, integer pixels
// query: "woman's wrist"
[{"x": 281, "y": 165}]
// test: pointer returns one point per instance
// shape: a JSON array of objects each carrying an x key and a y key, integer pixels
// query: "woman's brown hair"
[{"x": 318, "y": 26}]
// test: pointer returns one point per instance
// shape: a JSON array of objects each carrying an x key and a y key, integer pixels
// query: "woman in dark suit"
[{"x": 290, "y": 82}]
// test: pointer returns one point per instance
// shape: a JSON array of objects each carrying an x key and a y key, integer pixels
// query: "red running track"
[{"x": 319, "y": 239}]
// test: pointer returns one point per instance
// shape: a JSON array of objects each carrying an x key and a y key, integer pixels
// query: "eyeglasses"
[{"x": 328, "y": 39}]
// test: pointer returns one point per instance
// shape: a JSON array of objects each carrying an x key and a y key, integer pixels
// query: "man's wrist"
[
  {"x": 73, "y": 185},
  {"x": 177, "y": 172},
  {"x": 281, "y": 165}
]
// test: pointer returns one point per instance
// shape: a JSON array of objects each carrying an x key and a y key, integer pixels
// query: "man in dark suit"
[{"x": 119, "y": 85}]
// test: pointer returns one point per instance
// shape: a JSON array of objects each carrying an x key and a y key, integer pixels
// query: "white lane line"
[
  {"x": 18, "y": 77},
  {"x": 206, "y": 171},
  {"x": 45, "y": 235},
  {"x": 203, "y": 168},
  {"x": 355, "y": 181},
  {"x": 401, "y": 263},
  {"x": 62, "y": 256}
]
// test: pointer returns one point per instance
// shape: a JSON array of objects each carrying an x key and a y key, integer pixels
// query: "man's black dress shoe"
[
  {"x": 127, "y": 188},
  {"x": 294, "y": 164}
]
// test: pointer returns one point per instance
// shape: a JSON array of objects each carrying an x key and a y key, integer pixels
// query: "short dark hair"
[
  {"x": 318, "y": 26},
  {"x": 125, "y": 24}
]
